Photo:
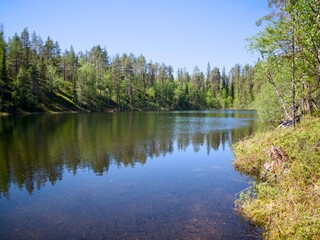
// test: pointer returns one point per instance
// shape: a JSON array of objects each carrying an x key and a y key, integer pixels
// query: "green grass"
[{"x": 285, "y": 202}]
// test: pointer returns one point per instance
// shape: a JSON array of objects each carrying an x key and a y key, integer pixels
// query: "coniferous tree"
[
  {"x": 38, "y": 73},
  {"x": 4, "y": 84},
  {"x": 208, "y": 77}
]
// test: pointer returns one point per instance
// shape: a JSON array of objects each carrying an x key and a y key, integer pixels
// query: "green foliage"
[
  {"x": 211, "y": 101},
  {"x": 267, "y": 104},
  {"x": 38, "y": 77},
  {"x": 3, "y": 70},
  {"x": 289, "y": 45},
  {"x": 286, "y": 204}
]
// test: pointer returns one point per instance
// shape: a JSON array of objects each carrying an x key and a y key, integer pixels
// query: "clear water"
[{"x": 150, "y": 175}]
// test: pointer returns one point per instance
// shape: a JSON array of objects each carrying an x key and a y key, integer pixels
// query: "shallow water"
[{"x": 150, "y": 175}]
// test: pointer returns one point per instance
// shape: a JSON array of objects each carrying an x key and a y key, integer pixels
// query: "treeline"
[{"x": 35, "y": 75}]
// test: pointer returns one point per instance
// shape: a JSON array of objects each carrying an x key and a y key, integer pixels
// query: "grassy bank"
[{"x": 285, "y": 198}]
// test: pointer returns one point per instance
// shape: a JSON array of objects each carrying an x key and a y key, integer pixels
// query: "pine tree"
[{"x": 4, "y": 88}]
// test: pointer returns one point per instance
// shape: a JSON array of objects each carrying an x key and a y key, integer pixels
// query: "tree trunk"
[
  {"x": 293, "y": 80},
  {"x": 283, "y": 104}
]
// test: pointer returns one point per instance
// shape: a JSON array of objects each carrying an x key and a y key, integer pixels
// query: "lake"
[{"x": 123, "y": 175}]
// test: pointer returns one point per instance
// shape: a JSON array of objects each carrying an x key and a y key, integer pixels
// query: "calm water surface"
[{"x": 151, "y": 175}]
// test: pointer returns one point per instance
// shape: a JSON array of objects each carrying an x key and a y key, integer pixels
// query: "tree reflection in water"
[{"x": 38, "y": 149}]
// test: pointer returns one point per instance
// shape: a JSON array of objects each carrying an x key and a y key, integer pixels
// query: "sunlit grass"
[{"x": 285, "y": 202}]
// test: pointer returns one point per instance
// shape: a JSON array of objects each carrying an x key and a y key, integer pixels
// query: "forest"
[{"x": 36, "y": 76}]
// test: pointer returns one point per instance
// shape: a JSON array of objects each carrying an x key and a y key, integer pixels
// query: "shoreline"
[
  {"x": 4, "y": 114},
  {"x": 285, "y": 198}
]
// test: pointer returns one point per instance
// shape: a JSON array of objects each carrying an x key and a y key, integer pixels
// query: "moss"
[{"x": 285, "y": 202}]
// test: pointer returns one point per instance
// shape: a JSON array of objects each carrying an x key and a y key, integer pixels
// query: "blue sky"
[{"x": 179, "y": 33}]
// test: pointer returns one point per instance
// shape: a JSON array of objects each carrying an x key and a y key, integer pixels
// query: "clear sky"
[{"x": 181, "y": 33}]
